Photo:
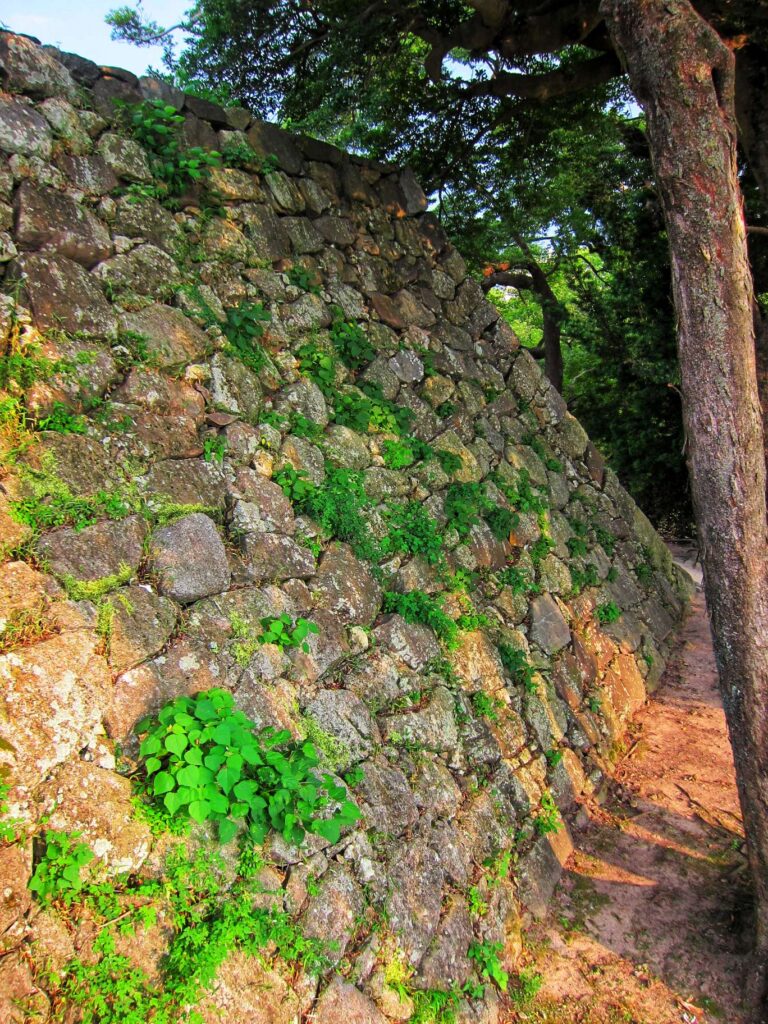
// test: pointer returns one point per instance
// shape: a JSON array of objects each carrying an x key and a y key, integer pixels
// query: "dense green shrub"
[{"x": 203, "y": 759}]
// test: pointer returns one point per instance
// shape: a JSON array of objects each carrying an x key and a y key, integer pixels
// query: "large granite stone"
[
  {"x": 62, "y": 294},
  {"x": 548, "y": 626},
  {"x": 97, "y": 551},
  {"x": 189, "y": 559},
  {"x": 170, "y": 337}
]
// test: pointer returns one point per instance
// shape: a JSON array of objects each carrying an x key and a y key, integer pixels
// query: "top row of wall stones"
[{"x": 43, "y": 72}]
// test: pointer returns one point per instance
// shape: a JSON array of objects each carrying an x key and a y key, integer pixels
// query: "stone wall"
[{"x": 151, "y": 447}]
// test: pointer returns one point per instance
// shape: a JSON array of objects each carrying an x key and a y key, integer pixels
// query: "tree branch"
[
  {"x": 506, "y": 279},
  {"x": 551, "y": 84}
]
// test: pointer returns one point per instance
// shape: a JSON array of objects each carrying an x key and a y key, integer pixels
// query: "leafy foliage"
[
  {"x": 583, "y": 578},
  {"x": 243, "y": 328},
  {"x": 413, "y": 531},
  {"x": 466, "y": 503},
  {"x": 351, "y": 342},
  {"x": 318, "y": 364},
  {"x": 518, "y": 580},
  {"x": 517, "y": 665},
  {"x": 337, "y": 505},
  {"x": 57, "y": 874},
  {"x": 52, "y": 504},
  {"x": 607, "y": 612},
  {"x": 203, "y": 760},
  {"x": 548, "y": 818},
  {"x": 62, "y": 420},
  {"x": 208, "y": 923},
  {"x": 370, "y": 411},
  {"x": 302, "y": 278},
  {"x": 282, "y": 631},
  {"x": 156, "y": 125},
  {"x": 427, "y": 609},
  {"x": 487, "y": 956}
]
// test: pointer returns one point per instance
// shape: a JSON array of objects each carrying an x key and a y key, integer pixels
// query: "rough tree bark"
[{"x": 683, "y": 75}]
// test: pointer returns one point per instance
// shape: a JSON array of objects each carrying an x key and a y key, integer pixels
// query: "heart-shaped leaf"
[
  {"x": 227, "y": 830},
  {"x": 199, "y": 810},
  {"x": 176, "y": 743},
  {"x": 164, "y": 783},
  {"x": 189, "y": 775}
]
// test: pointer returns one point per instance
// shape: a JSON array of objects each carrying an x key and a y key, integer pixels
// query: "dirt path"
[{"x": 646, "y": 925}]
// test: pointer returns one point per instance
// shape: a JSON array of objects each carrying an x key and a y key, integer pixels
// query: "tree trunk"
[
  {"x": 552, "y": 312},
  {"x": 683, "y": 76}
]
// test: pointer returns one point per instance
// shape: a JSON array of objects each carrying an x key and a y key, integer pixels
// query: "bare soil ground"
[{"x": 648, "y": 923}]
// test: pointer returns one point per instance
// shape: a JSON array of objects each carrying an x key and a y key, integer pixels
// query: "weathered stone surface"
[
  {"x": 170, "y": 337},
  {"x": 125, "y": 157},
  {"x": 308, "y": 313},
  {"x": 189, "y": 558},
  {"x": 82, "y": 463},
  {"x": 66, "y": 124},
  {"x": 145, "y": 270},
  {"x": 262, "y": 508},
  {"x": 187, "y": 666},
  {"x": 23, "y": 130},
  {"x": 385, "y": 798},
  {"x": 165, "y": 413},
  {"x": 304, "y": 397},
  {"x": 141, "y": 624},
  {"x": 326, "y": 648},
  {"x": 435, "y": 790},
  {"x": 414, "y": 644},
  {"x": 303, "y": 455},
  {"x": 387, "y": 311},
  {"x": 84, "y": 71},
  {"x": 332, "y": 912},
  {"x": 247, "y": 991},
  {"x": 344, "y": 716},
  {"x": 61, "y": 294},
  {"x": 416, "y": 885},
  {"x": 148, "y": 220},
  {"x": 347, "y": 449},
  {"x": 15, "y": 873},
  {"x": 343, "y": 1002},
  {"x": 433, "y": 727},
  {"x": 97, "y": 803},
  {"x": 193, "y": 482},
  {"x": 235, "y": 387},
  {"x": 305, "y": 238},
  {"x": 447, "y": 963},
  {"x": 274, "y": 556},
  {"x": 28, "y": 68},
  {"x": 156, "y": 89},
  {"x": 540, "y": 869},
  {"x": 336, "y": 230},
  {"x": 62, "y": 685},
  {"x": 268, "y": 140},
  {"x": 89, "y": 173},
  {"x": 265, "y": 231},
  {"x": 97, "y": 551},
  {"x": 233, "y": 184},
  {"x": 548, "y": 627},
  {"x": 345, "y": 586},
  {"x": 407, "y": 367}
]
